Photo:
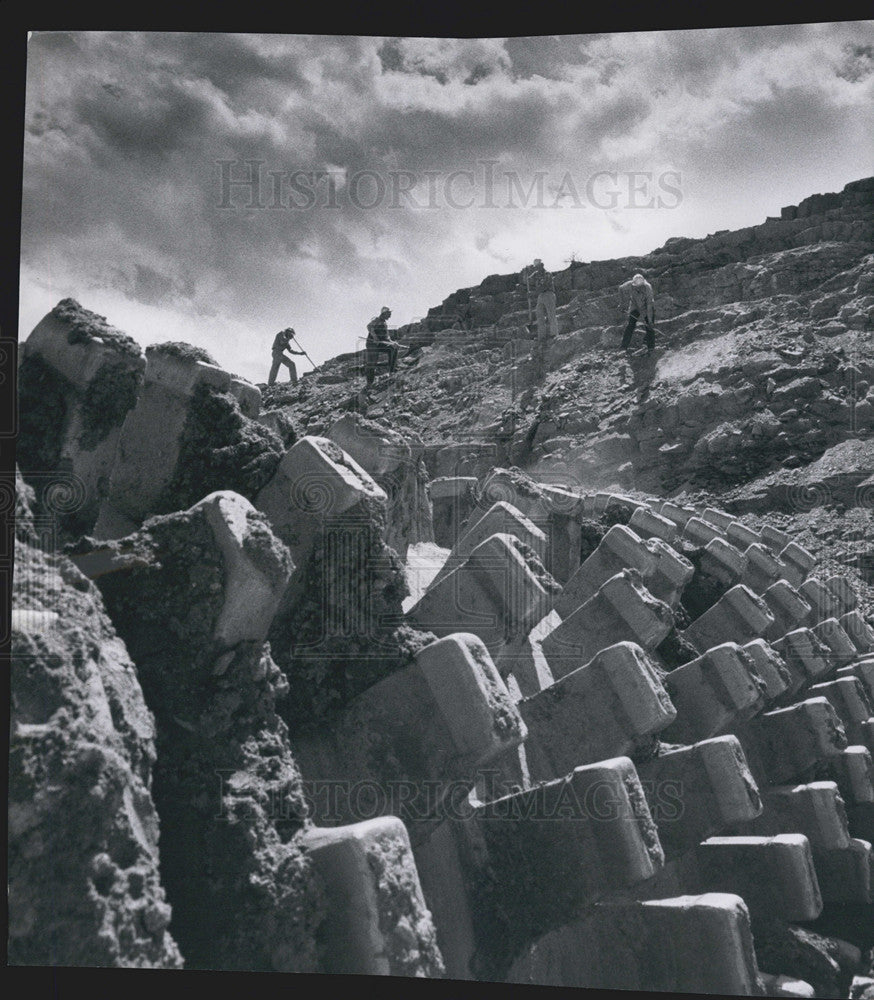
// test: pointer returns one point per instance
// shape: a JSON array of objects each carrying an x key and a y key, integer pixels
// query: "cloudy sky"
[{"x": 391, "y": 171}]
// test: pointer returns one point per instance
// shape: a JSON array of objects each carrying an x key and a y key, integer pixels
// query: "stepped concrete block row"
[
  {"x": 602, "y": 709},
  {"x": 841, "y": 648},
  {"x": 376, "y": 918},
  {"x": 455, "y": 702},
  {"x": 775, "y": 539},
  {"x": 494, "y": 593},
  {"x": 719, "y": 518},
  {"x": 676, "y": 513},
  {"x": 700, "y": 533},
  {"x": 621, "y": 610}
]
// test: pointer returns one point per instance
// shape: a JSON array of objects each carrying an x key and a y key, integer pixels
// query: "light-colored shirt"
[{"x": 639, "y": 296}]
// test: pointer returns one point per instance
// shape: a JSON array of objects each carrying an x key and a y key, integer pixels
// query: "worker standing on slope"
[
  {"x": 379, "y": 342},
  {"x": 640, "y": 302},
  {"x": 281, "y": 344},
  {"x": 540, "y": 281}
]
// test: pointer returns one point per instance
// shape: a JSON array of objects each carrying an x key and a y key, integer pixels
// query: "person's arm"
[{"x": 650, "y": 304}]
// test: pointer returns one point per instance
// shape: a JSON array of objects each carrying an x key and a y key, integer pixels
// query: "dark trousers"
[
  {"x": 372, "y": 353},
  {"x": 649, "y": 337},
  {"x": 281, "y": 359}
]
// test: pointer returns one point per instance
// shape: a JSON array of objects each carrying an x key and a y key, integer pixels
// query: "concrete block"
[
  {"x": 648, "y": 524},
  {"x": 620, "y": 548},
  {"x": 377, "y": 450},
  {"x": 621, "y": 610},
  {"x": 738, "y": 616},
  {"x": 742, "y": 536},
  {"x": 454, "y": 702},
  {"x": 100, "y": 375},
  {"x": 775, "y": 876},
  {"x": 815, "y": 810},
  {"x": 600, "y": 710},
  {"x": 501, "y": 518},
  {"x": 762, "y": 569},
  {"x": 769, "y": 665},
  {"x": 788, "y": 742},
  {"x": 678, "y": 514},
  {"x": 820, "y": 598},
  {"x": 789, "y": 609},
  {"x": 774, "y": 538},
  {"x": 149, "y": 444},
  {"x": 864, "y": 670},
  {"x": 453, "y": 499},
  {"x": 805, "y": 655},
  {"x": 595, "y": 506},
  {"x": 860, "y": 632},
  {"x": 376, "y": 923},
  {"x": 845, "y": 597},
  {"x": 671, "y": 574},
  {"x": 841, "y": 648},
  {"x": 844, "y": 873},
  {"x": 799, "y": 562},
  {"x": 655, "y": 945},
  {"x": 723, "y": 562},
  {"x": 700, "y": 533},
  {"x": 697, "y": 791},
  {"x": 493, "y": 594},
  {"x": 531, "y": 861},
  {"x": 786, "y": 986},
  {"x": 315, "y": 482},
  {"x": 853, "y": 772},
  {"x": 849, "y": 700},
  {"x": 718, "y": 518},
  {"x": 712, "y": 692}
]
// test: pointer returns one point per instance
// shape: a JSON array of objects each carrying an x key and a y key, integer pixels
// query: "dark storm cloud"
[{"x": 124, "y": 134}]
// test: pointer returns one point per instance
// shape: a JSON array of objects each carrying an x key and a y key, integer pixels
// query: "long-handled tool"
[{"x": 294, "y": 338}]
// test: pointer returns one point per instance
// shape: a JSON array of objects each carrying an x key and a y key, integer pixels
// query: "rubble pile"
[{"x": 296, "y": 690}]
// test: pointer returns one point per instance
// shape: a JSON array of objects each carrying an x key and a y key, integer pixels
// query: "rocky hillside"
[{"x": 536, "y": 664}]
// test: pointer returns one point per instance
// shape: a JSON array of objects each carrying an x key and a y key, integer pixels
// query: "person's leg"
[
  {"x": 292, "y": 371},
  {"x": 549, "y": 302},
  {"x": 649, "y": 338},
  {"x": 392, "y": 357},
  {"x": 371, "y": 359},
  {"x": 274, "y": 370},
  {"x": 629, "y": 328}
]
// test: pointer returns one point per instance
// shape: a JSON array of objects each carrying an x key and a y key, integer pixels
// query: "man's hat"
[
  {"x": 385, "y": 309},
  {"x": 638, "y": 279}
]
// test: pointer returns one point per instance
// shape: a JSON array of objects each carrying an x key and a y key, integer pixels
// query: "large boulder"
[
  {"x": 77, "y": 381},
  {"x": 85, "y": 887}
]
